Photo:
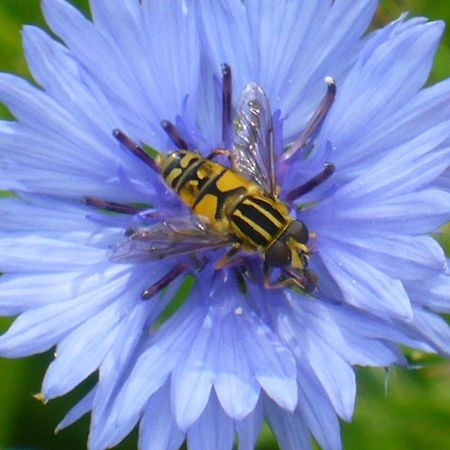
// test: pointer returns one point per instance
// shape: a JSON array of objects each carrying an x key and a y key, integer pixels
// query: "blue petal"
[
  {"x": 290, "y": 429},
  {"x": 27, "y": 253},
  {"x": 236, "y": 388},
  {"x": 357, "y": 337},
  {"x": 269, "y": 42},
  {"x": 78, "y": 411},
  {"x": 136, "y": 86},
  {"x": 116, "y": 368},
  {"x": 364, "y": 286},
  {"x": 248, "y": 429},
  {"x": 213, "y": 431},
  {"x": 402, "y": 257},
  {"x": 90, "y": 342},
  {"x": 410, "y": 213},
  {"x": 432, "y": 292},
  {"x": 379, "y": 85},
  {"x": 271, "y": 361},
  {"x": 317, "y": 411},
  {"x": 158, "y": 430},
  {"x": 150, "y": 371},
  {"x": 435, "y": 329},
  {"x": 39, "y": 329},
  {"x": 335, "y": 375},
  {"x": 322, "y": 353}
]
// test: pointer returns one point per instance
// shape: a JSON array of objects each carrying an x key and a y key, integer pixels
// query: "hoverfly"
[{"x": 237, "y": 207}]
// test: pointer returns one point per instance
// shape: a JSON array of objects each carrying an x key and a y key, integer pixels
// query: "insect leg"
[
  {"x": 311, "y": 184},
  {"x": 220, "y": 151},
  {"x": 288, "y": 282},
  {"x": 227, "y": 98},
  {"x": 315, "y": 122},
  {"x": 306, "y": 284},
  {"x": 175, "y": 272},
  {"x": 135, "y": 149},
  {"x": 227, "y": 257},
  {"x": 111, "y": 206}
]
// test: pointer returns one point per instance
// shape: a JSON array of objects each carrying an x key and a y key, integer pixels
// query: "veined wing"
[
  {"x": 168, "y": 238},
  {"x": 253, "y": 151}
]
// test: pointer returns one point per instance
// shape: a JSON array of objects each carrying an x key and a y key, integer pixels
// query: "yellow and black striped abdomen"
[
  {"x": 233, "y": 204},
  {"x": 260, "y": 220}
]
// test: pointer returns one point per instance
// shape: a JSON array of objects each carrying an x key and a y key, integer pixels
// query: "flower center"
[{"x": 235, "y": 206}]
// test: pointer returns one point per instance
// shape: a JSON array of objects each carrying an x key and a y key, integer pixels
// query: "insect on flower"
[{"x": 236, "y": 206}]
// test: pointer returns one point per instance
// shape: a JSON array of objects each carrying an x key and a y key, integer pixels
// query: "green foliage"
[{"x": 413, "y": 414}]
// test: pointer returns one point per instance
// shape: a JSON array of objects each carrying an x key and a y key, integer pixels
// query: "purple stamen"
[
  {"x": 111, "y": 206},
  {"x": 315, "y": 121},
  {"x": 311, "y": 184},
  {"x": 163, "y": 282},
  {"x": 173, "y": 133},
  {"x": 135, "y": 149},
  {"x": 227, "y": 98}
]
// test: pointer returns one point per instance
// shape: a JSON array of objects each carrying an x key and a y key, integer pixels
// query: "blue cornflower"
[{"x": 234, "y": 353}]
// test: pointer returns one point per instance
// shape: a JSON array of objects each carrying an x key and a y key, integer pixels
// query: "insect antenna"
[
  {"x": 135, "y": 149},
  {"x": 315, "y": 122},
  {"x": 311, "y": 184},
  {"x": 227, "y": 98},
  {"x": 173, "y": 133},
  {"x": 173, "y": 273}
]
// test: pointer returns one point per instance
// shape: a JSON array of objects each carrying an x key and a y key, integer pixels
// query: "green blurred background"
[{"x": 412, "y": 413}]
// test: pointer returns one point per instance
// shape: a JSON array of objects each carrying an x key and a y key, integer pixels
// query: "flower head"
[{"x": 89, "y": 266}]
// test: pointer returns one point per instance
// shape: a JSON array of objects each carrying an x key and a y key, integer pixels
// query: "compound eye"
[
  {"x": 298, "y": 231},
  {"x": 278, "y": 254}
]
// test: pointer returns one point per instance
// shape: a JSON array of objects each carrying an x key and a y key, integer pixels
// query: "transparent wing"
[
  {"x": 253, "y": 152},
  {"x": 168, "y": 238}
]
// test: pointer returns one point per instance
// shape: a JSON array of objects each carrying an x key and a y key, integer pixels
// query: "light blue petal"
[
  {"x": 74, "y": 172},
  {"x": 27, "y": 253},
  {"x": 271, "y": 361},
  {"x": 410, "y": 213},
  {"x": 248, "y": 429},
  {"x": 235, "y": 385},
  {"x": 336, "y": 377},
  {"x": 151, "y": 370},
  {"x": 435, "y": 329},
  {"x": 422, "y": 112},
  {"x": 21, "y": 292},
  {"x": 56, "y": 219},
  {"x": 269, "y": 42},
  {"x": 67, "y": 82},
  {"x": 90, "y": 342},
  {"x": 343, "y": 329},
  {"x": 78, "y": 411},
  {"x": 190, "y": 393},
  {"x": 402, "y": 257},
  {"x": 228, "y": 367},
  {"x": 158, "y": 430},
  {"x": 115, "y": 369},
  {"x": 379, "y": 83},
  {"x": 432, "y": 292},
  {"x": 323, "y": 357},
  {"x": 290, "y": 429},
  {"x": 317, "y": 411},
  {"x": 364, "y": 286},
  {"x": 136, "y": 86},
  {"x": 39, "y": 329},
  {"x": 411, "y": 166},
  {"x": 213, "y": 431}
]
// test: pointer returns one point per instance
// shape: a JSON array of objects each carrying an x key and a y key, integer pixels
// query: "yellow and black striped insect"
[{"x": 236, "y": 207}]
